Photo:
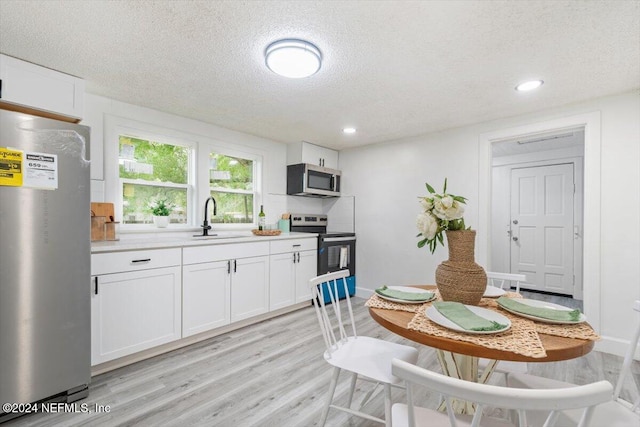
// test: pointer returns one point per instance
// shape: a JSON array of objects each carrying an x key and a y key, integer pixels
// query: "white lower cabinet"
[
  {"x": 206, "y": 297},
  {"x": 249, "y": 287},
  {"x": 282, "y": 290},
  {"x": 145, "y": 298},
  {"x": 134, "y": 310},
  {"x": 223, "y": 284},
  {"x": 306, "y": 269},
  {"x": 292, "y": 264}
]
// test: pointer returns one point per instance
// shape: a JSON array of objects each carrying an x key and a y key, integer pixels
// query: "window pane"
[
  {"x": 137, "y": 199},
  {"x": 231, "y": 173},
  {"x": 233, "y": 208},
  {"x": 231, "y": 181},
  {"x": 153, "y": 161}
]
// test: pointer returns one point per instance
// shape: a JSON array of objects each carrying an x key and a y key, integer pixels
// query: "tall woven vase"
[{"x": 459, "y": 278}]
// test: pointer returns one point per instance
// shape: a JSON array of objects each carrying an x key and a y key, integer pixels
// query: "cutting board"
[
  {"x": 103, "y": 209},
  {"x": 101, "y": 214}
]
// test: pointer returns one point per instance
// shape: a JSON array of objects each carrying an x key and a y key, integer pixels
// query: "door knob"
[
  {"x": 515, "y": 221},
  {"x": 515, "y": 239}
]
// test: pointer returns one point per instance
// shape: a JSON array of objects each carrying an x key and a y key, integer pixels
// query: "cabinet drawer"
[
  {"x": 199, "y": 254},
  {"x": 293, "y": 245},
  {"x": 116, "y": 262}
]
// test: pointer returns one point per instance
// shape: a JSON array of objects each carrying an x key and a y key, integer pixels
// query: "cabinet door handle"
[
  {"x": 229, "y": 267},
  {"x": 137, "y": 261},
  {"x": 235, "y": 266},
  {"x": 298, "y": 257},
  {"x": 95, "y": 285},
  {"x": 294, "y": 257},
  {"x": 296, "y": 246}
]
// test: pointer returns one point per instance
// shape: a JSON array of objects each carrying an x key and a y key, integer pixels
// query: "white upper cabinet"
[
  {"x": 305, "y": 152},
  {"x": 41, "y": 91}
]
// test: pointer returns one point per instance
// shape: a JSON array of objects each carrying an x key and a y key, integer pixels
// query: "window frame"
[{"x": 116, "y": 127}]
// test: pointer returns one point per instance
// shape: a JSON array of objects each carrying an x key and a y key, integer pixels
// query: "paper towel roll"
[{"x": 344, "y": 254}]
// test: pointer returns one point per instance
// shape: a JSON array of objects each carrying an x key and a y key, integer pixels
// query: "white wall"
[{"x": 387, "y": 178}]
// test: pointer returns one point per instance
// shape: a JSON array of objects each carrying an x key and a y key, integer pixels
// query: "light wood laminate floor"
[{"x": 269, "y": 374}]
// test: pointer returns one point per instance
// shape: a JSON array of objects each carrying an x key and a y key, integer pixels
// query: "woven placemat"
[
  {"x": 376, "y": 302},
  {"x": 582, "y": 331},
  {"x": 521, "y": 338}
]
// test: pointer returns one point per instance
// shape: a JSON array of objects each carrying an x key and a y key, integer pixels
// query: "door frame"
[{"x": 591, "y": 269}]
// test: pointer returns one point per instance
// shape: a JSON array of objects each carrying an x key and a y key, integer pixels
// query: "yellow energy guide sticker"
[{"x": 10, "y": 167}]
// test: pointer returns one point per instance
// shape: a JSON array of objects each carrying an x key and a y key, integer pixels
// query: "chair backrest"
[
  {"x": 334, "y": 322},
  {"x": 626, "y": 364},
  {"x": 500, "y": 279},
  {"x": 521, "y": 400}
]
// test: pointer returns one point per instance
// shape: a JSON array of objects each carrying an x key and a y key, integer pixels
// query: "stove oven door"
[{"x": 336, "y": 253}]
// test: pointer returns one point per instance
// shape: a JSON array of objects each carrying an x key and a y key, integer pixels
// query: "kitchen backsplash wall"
[{"x": 340, "y": 210}]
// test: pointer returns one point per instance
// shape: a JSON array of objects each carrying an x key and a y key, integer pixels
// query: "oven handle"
[{"x": 338, "y": 239}]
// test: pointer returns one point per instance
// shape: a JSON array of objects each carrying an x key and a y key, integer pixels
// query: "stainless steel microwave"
[{"x": 305, "y": 179}]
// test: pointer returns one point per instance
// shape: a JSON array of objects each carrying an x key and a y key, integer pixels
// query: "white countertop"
[{"x": 179, "y": 240}]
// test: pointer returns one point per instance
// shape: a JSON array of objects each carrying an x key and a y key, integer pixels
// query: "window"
[
  {"x": 151, "y": 171},
  {"x": 147, "y": 163},
  {"x": 231, "y": 183}
]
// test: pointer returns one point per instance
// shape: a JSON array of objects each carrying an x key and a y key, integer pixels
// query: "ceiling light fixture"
[
  {"x": 530, "y": 85},
  {"x": 293, "y": 58},
  {"x": 349, "y": 130}
]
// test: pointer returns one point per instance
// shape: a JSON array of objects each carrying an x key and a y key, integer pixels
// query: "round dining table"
[{"x": 459, "y": 359}]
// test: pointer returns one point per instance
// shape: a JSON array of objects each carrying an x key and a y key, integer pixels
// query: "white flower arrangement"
[{"x": 440, "y": 212}]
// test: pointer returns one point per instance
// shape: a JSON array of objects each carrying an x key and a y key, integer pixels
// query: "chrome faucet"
[{"x": 205, "y": 225}]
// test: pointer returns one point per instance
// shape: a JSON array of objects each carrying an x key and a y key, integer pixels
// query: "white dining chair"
[
  {"x": 616, "y": 413},
  {"x": 584, "y": 398},
  {"x": 366, "y": 358},
  {"x": 499, "y": 280}
]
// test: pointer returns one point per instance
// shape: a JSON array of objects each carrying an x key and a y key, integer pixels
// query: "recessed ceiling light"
[
  {"x": 293, "y": 58},
  {"x": 349, "y": 130},
  {"x": 530, "y": 85}
]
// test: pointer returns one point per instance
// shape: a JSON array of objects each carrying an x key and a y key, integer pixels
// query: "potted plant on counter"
[{"x": 161, "y": 210}]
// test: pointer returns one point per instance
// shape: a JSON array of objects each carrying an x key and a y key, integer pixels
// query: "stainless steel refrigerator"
[{"x": 45, "y": 260}]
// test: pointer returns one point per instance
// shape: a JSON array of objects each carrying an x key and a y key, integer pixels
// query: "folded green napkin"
[
  {"x": 407, "y": 296},
  {"x": 465, "y": 318},
  {"x": 545, "y": 313}
]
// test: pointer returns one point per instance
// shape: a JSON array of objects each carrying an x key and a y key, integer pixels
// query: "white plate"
[
  {"x": 493, "y": 292},
  {"x": 544, "y": 304},
  {"x": 437, "y": 317},
  {"x": 407, "y": 289}
]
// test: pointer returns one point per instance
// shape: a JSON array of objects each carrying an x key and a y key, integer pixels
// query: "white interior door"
[{"x": 542, "y": 221}]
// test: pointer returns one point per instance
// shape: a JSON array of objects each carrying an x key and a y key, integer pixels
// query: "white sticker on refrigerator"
[{"x": 40, "y": 170}]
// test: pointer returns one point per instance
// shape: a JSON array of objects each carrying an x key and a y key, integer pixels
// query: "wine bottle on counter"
[{"x": 261, "y": 219}]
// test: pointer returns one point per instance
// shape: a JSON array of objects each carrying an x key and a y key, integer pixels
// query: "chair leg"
[
  {"x": 332, "y": 390},
  {"x": 354, "y": 378},
  {"x": 387, "y": 405}
]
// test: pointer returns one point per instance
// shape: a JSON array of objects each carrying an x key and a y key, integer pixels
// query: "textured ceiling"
[{"x": 392, "y": 69}]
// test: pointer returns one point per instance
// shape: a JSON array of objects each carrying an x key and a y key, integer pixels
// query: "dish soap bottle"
[{"x": 261, "y": 219}]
